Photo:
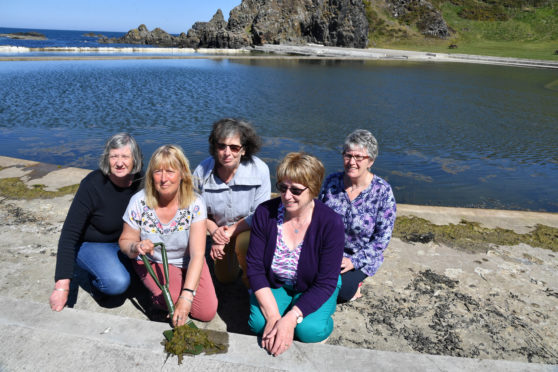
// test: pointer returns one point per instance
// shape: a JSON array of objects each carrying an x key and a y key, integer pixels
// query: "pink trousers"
[{"x": 204, "y": 306}]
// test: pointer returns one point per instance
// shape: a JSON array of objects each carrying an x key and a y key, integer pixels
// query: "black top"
[{"x": 94, "y": 216}]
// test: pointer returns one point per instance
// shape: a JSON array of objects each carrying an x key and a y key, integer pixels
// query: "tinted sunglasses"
[
  {"x": 234, "y": 148},
  {"x": 282, "y": 188}
]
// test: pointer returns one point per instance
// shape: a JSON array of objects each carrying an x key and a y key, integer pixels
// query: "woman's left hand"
[
  {"x": 346, "y": 265},
  {"x": 222, "y": 235},
  {"x": 282, "y": 334},
  {"x": 181, "y": 311}
]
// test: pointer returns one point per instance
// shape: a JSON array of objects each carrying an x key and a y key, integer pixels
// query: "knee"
[
  {"x": 314, "y": 331},
  {"x": 115, "y": 285}
]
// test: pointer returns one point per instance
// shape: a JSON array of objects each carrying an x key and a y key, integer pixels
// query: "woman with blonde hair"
[
  {"x": 295, "y": 251},
  {"x": 169, "y": 211}
]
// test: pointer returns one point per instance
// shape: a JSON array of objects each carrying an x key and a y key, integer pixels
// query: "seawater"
[{"x": 449, "y": 134}]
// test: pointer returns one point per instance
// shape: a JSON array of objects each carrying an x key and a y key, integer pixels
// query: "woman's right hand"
[
  {"x": 59, "y": 295},
  {"x": 143, "y": 247},
  {"x": 217, "y": 251}
]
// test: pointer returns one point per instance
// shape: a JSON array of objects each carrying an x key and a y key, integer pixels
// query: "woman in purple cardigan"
[{"x": 295, "y": 252}]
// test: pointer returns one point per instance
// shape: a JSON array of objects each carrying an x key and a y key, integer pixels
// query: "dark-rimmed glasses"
[
  {"x": 282, "y": 188},
  {"x": 358, "y": 158},
  {"x": 234, "y": 148}
]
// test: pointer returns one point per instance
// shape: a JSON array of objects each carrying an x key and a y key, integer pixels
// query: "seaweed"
[{"x": 188, "y": 339}]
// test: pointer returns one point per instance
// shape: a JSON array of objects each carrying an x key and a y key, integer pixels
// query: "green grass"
[{"x": 528, "y": 33}]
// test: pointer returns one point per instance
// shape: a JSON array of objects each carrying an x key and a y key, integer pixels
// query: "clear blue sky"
[{"x": 173, "y": 16}]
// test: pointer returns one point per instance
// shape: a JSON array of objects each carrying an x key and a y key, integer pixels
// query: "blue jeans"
[
  {"x": 315, "y": 327},
  {"x": 108, "y": 268}
]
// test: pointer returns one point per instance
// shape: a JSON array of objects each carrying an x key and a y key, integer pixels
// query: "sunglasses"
[
  {"x": 234, "y": 148},
  {"x": 282, "y": 188}
]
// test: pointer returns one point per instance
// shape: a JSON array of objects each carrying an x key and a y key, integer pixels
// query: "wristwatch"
[
  {"x": 299, "y": 317},
  {"x": 192, "y": 291}
]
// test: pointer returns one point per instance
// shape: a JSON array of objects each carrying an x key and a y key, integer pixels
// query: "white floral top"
[{"x": 175, "y": 234}]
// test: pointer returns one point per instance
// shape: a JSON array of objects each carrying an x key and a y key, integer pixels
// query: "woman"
[
  {"x": 90, "y": 233},
  {"x": 367, "y": 205},
  {"x": 233, "y": 182},
  {"x": 295, "y": 250},
  {"x": 169, "y": 211}
]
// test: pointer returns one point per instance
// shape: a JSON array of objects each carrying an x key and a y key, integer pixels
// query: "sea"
[{"x": 450, "y": 134}]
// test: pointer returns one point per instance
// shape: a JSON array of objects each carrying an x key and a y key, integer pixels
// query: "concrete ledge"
[{"x": 35, "y": 338}]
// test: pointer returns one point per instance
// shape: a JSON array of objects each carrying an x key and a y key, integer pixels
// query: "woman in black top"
[{"x": 93, "y": 225}]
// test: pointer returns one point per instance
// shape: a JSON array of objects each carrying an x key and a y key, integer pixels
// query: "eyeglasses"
[
  {"x": 234, "y": 148},
  {"x": 358, "y": 158},
  {"x": 282, "y": 188}
]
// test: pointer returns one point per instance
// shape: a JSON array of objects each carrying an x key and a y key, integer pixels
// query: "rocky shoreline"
[{"x": 500, "y": 303}]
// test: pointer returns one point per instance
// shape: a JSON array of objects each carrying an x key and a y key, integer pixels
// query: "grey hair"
[
  {"x": 362, "y": 138},
  {"x": 117, "y": 141}
]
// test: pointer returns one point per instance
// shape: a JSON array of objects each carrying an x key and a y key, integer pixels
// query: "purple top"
[
  {"x": 320, "y": 256},
  {"x": 368, "y": 220}
]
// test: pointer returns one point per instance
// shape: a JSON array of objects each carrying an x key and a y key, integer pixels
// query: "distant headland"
[{"x": 32, "y": 35}]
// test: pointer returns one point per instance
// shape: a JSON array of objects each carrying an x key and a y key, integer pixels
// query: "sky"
[{"x": 173, "y": 16}]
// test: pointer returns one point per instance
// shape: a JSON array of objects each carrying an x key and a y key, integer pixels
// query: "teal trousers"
[{"x": 314, "y": 327}]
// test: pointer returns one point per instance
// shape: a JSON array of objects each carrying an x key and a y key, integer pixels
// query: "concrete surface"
[{"x": 35, "y": 338}]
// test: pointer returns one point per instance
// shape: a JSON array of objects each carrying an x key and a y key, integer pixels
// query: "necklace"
[{"x": 301, "y": 225}]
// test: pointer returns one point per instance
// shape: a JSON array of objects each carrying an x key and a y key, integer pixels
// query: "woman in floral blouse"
[
  {"x": 367, "y": 205},
  {"x": 169, "y": 211}
]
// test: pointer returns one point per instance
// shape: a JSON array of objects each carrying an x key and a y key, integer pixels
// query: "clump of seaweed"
[
  {"x": 188, "y": 339},
  {"x": 14, "y": 188},
  {"x": 471, "y": 236}
]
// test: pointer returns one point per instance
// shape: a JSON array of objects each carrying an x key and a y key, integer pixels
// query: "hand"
[
  {"x": 59, "y": 295},
  {"x": 280, "y": 337},
  {"x": 222, "y": 235},
  {"x": 142, "y": 247},
  {"x": 346, "y": 265},
  {"x": 217, "y": 251},
  {"x": 181, "y": 310}
]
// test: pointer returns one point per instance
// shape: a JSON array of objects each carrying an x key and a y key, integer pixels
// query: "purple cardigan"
[{"x": 320, "y": 256}]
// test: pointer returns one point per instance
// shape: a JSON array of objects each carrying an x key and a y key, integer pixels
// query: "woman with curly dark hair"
[{"x": 233, "y": 182}]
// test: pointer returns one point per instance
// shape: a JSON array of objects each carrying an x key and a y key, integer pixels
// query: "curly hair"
[{"x": 229, "y": 127}]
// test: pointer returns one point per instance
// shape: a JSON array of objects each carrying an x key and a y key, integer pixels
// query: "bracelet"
[
  {"x": 192, "y": 291},
  {"x": 186, "y": 298},
  {"x": 61, "y": 290},
  {"x": 213, "y": 233}
]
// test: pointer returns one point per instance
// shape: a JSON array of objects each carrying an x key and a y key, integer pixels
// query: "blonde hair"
[
  {"x": 173, "y": 157},
  {"x": 302, "y": 168}
]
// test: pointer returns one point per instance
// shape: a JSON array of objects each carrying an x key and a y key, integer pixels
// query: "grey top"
[
  {"x": 175, "y": 234},
  {"x": 228, "y": 203}
]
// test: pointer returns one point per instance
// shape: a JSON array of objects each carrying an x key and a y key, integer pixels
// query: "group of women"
[{"x": 300, "y": 253}]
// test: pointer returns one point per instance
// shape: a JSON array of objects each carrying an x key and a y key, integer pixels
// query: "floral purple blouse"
[{"x": 368, "y": 220}]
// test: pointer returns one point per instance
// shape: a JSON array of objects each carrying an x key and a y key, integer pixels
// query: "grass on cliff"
[
  {"x": 14, "y": 188},
  {"x": 520, "y": 32},
  {"x": 470, "y": 236}
]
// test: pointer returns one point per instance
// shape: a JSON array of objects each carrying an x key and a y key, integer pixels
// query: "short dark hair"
[
  {"x": 117, "y": 141},
  {"x": 229, "y": 127}
]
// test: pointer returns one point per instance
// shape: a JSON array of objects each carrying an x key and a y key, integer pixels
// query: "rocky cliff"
[
  {"x": 342, "y": 23},
  {"x": 255, "y": 22}
]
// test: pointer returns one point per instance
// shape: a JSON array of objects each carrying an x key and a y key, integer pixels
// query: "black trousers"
[{"x": 350, "y": 281}]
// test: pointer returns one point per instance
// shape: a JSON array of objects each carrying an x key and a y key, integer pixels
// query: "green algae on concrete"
[
  {"x": 470, "y": 236},
  {"x": 188, "y": 339},
  {"x": 15, "y": 188}
]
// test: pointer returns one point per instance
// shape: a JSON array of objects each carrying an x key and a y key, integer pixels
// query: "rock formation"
[
  {"x": 255, "y": 22},
  {"x": 427, "y": 18}
]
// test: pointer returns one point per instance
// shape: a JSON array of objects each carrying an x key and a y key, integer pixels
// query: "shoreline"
[
  {"x": 269, "y": 52},
  {"x": 427, "y": 298}
]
